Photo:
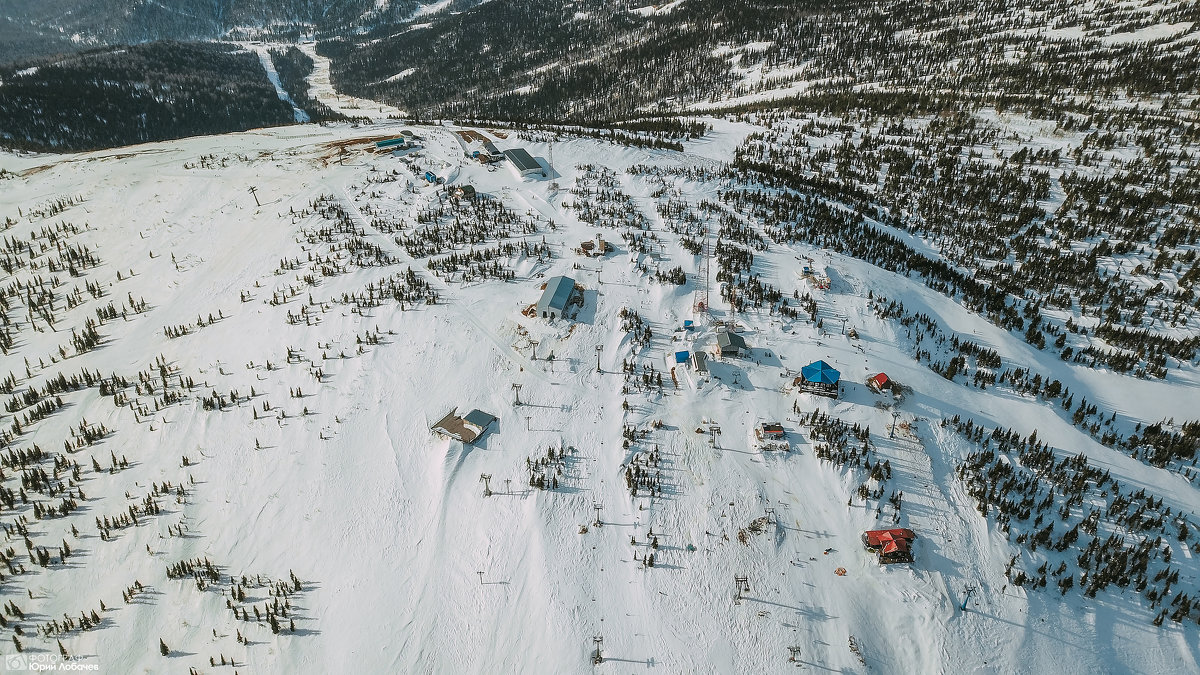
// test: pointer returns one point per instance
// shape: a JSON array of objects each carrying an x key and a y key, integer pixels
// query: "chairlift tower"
[
  {"x": 741, "y": 585},
  {"x": 968, "y": 591}
]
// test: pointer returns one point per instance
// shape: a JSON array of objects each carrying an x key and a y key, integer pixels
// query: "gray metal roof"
[
  {"x": 479, "y": 419},
  {"x": 522, "y": 160},
  {"x": 729, "y": 341},
  {"x": 466, "y": 429},
  {"x": 557, "y": 295}
]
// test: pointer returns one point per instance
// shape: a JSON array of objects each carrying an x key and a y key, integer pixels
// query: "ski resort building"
[
  {"x": 819, "y": 378},
  {"x": 556, "y": 297},
  {"x": 731, "y": 344},
  {"x": 595, "y": 247},
  {"x": 523, "y": 162},
  {"x": 769, "y": 431},
  {"x": 467, "y": 429},
  {"x": 892, "y": 546},
  {"x": 700, "y": 362},
  {"x": 879, "y": 382}
]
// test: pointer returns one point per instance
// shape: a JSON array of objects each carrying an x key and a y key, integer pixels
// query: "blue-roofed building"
[
  {"x": 819, "y": 378},
  {"x": 556, "y": 297}
]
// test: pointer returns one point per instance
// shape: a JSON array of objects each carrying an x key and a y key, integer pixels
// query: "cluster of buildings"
[{"x": 518, "y": 158}]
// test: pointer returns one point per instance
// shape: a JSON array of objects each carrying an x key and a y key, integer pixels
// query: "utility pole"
[
  {"x": 485, "y": 478},
  {"x": 508, "y": 485},
  {"x": 599, "y": 348},
  {"x": 892, "y": 433},
  {"x": 254, "y": 192},
  {"x": 517, "y": 388},
  {"x": 701, "y": 304},
  {"x": 527, "y": 418}
]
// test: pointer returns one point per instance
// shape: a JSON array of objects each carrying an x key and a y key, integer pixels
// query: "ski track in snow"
[{"x": 268, "y": 65}]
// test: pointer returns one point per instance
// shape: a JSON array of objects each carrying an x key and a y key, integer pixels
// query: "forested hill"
[
  {"x": 35, "y": 28},
  {"x": 130, "y": 95},
  {"x": 585, "y": 60}
]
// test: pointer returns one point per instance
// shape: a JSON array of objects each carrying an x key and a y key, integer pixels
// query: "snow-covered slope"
[{"x": 290, "y": 414}]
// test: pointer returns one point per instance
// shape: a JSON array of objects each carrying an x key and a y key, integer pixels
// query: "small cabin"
[
  {"x": 595, "y": 247},
  {"x": 879, "y": 382},
  {"x": 770, "y": 431}
]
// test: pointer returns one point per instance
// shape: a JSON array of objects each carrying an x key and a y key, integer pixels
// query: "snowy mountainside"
[
  {"x": 583, "y": 61},
  {"x": 252, "y": 416}
]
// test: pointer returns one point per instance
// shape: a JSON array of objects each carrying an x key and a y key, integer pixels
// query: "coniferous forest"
[{"x": 149, "y": 92}]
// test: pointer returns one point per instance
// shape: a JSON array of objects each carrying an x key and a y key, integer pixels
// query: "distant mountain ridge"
[
  {"x": 35, "y": 28},
  {"x": 588, "y": 60}
]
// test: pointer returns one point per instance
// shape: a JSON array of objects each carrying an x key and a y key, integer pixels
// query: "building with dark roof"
[
  {"x": 523, "y": 162},
  {"x": 731, "y": 344},
  {"x": 556, "y": 297},
  {"x": 770, "y": 431}
]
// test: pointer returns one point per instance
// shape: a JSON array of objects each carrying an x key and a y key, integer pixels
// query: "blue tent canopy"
[
  {"x": 820, "y": 372},
  {"x": 681, "y": 357}
]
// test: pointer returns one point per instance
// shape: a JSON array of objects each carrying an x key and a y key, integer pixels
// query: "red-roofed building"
[
  {"x": 879, "y": 382},
  {"x": 892, "y": 546},
  {"x": 770, "y": 431}
]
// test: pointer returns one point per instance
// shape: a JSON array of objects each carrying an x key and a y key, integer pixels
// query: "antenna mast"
[{"x": 701, "y": 305}]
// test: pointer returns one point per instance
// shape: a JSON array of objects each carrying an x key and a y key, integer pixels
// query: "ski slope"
[{"x": 405, "y": 564}]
